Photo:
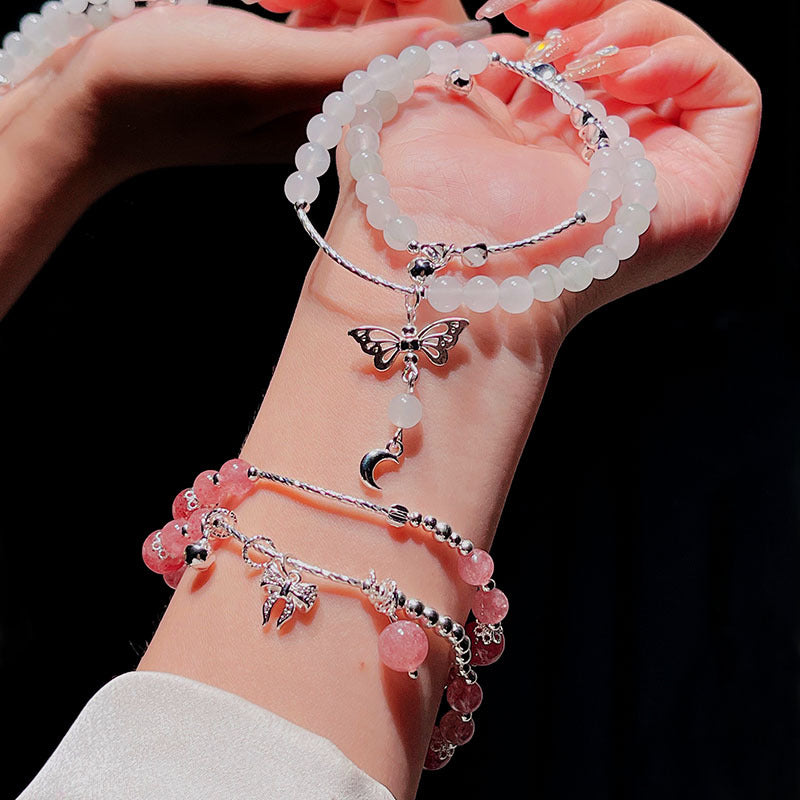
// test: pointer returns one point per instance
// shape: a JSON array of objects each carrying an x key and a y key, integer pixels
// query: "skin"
[{"x": 699, "y": 127}]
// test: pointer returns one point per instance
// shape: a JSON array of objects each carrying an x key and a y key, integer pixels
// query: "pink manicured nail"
[
  {"x": 494, "y": 8},
  {"x": 558, "y": 44},
  {"x": 605, "y": 62}
]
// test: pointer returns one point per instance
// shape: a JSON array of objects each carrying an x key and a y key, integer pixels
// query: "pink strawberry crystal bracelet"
[{"x": 203, "y": 515}]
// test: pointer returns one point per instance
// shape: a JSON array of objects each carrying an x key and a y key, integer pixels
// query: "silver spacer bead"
[
  {"x": 215, "y": 479},
  {"x": 400, "y": 599},
  {"x": 398, "y": 515},
  {"x": 442, "y": 531},
  {"x": 458, "y": 633},
  {"x": 414, "y": 519},
  {"x": 431, "y": 616},
  {"x": 445, "y": 626},
  {"x": 429, "y": 523},
  {"x": 302, "y": 205},
  {"x": 414, "y": 607},
  {"x": 489, "y": 585},
  {"x": 466, "y": 547},
  {"x": 253, "y": 473},
  {"x": 464, "y": 646},
  {"x": 459, "y": 82},
  {"x": 413, "y": 246},
  {"x": 414, "y": 674},
  {"x": 454, "y": 540}
]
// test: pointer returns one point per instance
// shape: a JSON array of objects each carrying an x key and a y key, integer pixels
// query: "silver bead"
[
  {"x": 398, "y": 515},
  {"x": 431, "y": 616},
  {"x": 429, "y": 523},
  {"x": 414, "y": 674},
  {"x": 253, "y": 473},
  {"x": 400, "y": 598},
  {"x": 199, "y": 556},
  {"x": 454, "y": 540},
  {"x": 457, "y": 634},
  {"x": 488, "y": 586},
  {"x": 459, "y": 82},
  {"x": 414, "y": 607},
  {"x": 475, "y": 255},
  {"x": 544, "y": 71},
  {"x": 414, "y": 519},
  {"x": 215, "y": 479},
  {"x": 443, "y": 530},
  {"x": 466, "y": 547},
  {"x": 464, "y": 646},
  {"x": 445, "y": 626}
]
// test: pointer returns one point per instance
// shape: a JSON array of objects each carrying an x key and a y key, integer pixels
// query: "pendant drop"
[{"x": 392, "y": 452}]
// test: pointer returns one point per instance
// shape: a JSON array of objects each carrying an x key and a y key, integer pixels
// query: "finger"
[
  {"x": 375, "y": 10},
  {"x": 446, "y": 10},
  {"x": 720, "y": 103},
  {"x": 503, "y": 82},
  {"x": 318, "y": 15},
  {"x": 542, "y": 15}
]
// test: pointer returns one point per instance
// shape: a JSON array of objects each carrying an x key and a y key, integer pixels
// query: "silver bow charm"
[{"x": 287, "y": 584}]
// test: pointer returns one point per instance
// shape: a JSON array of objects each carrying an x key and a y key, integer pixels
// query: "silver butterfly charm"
[
  {"x": 434, "y": 340},
  {"x": 289, "y": 585}
]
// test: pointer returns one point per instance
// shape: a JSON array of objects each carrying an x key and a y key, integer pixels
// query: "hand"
[{"x": 514, "y": 167}]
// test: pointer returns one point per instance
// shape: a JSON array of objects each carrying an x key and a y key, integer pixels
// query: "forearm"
[{"x": 324, "y": 408}]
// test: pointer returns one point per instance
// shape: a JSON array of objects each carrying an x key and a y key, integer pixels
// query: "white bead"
[
  {"x": 34, "y": 27},
  {"x": 312, "y": 158},
  {"x": 473, "y": 57},
  {"x": 405, "y": 410},
  {"x": 385, "y": 103},
  {"x": 368, "y": 115},
  {"x": 515, "y": 294},
  {"x": 597, "y": 109},
  {"x": 370, "y": 187},
  {"x": 75, "y": 6},
  {"x": 78, "y": 25},
  {"x": 361, "y": 137},
  {"x": 415, "y": 61},
  {"x": 367, "y": 162},
  {"x": 403, "y": 90},
  {"x": 380, "y": 210},
  {"x": 547, "y": 282},
  {"x": 324, "y": 130},
  {"x": 572, "y": 90},
  {"x": 300, "y": 187},
  {"x": 57, "y": 19},
  {"x": 607, "y": 158},
  {"x": 594, "y": 205},
  {"x": 42, "y": 51},
  {"x": 607, "y": 181},
  {"x": 17, "y": 45},
  {"x": 121, "y": 8},
  {"x": 617, "y": 130},
  {"x": 6, "y": 65},
  {"x": 339, "y": 106},
  {"x": 644, "y": 193},
  {"x": 99, "y": 16},
  {"x": 623, "y": 241},
  {"x": 385, "y": 71},
  {"x": 360, "y": 86},
  {"x": 577, "y": 273},
  {"x": 639, "y": 169},
  {"x": 631, "y": 148},
  {"x": 603, "y": 261},
  {"x": 97, "y": 2},
  {"x": 444, "y": 57},
  {"x": 633, "y": 216},
  {"x": 481, "y": 294},
  {"x": 399, "y": 231},
  {"x": 446, "y": 293},
  {"x": 184, "y": 2}
]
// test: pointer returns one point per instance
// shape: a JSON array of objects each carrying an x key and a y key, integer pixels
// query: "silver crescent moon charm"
[{"x": 371, "y": 461}]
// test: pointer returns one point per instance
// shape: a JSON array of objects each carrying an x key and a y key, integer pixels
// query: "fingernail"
[
  {"x": 607, "y": 61},
  {"x": 494, "y": 8},
  {"x": 457, "y": 34}
]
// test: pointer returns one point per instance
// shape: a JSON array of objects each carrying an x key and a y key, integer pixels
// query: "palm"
[{"x": 495, "y": 170}]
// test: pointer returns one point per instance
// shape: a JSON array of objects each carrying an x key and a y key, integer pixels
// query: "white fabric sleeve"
[{"x": 151, "y": 735}]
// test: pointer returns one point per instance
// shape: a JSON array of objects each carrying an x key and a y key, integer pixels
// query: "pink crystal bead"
[
  {"x": 454, "y": 729},
  {"x": 464, "y": 697},
  {"x": 490, "y": 607},
  {"x": 233, "y": 479},
  {"x": 402, "y": 646},
  {"x": 484, "y": 654},
  {"x": 172, "y": 579},
  {"x": 476, "y": 568},
  {"x": 437, "y": 748},
  {"x": 154, "y": 561},
  {"x": 194, "y": 525},
  {"x": 208, "y": 493},
  {"x": 173, "y": 539},
  {"x": 184, "y": 504}
]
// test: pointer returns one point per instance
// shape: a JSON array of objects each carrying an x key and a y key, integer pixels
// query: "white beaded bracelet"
[
  {"x": 370, "y": 98},
  {"x": 60, "y": 22}
]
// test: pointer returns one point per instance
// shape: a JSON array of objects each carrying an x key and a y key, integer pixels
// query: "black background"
[{"x": 649, "y": 544}]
